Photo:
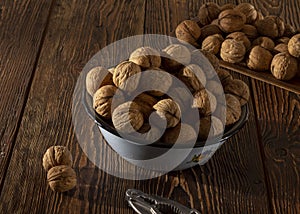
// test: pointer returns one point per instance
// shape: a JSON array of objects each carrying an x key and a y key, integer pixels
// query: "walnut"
[
  {"x": 123, "y": 72},
  {"x": 233, "y": 109},
  {"x": 127, "y": 117},
  {"x": 175, "y": 56},
  {"x": 231, "y": 20},
  {"x": 212, "y": 43},
  {"x": 259, "y": 59},
  {"x": 294, "y": 46},
  {"x": 271, "y": 26},
  {"x": 281, "y": 48},
  {"x": 208, "y": 12},
  {"x": 240, "y": 36},
  {"x": 169, "y": 110},
  {"x": 232, "y": 51},
  {"x": 188, "y": 134},
  {"x": 264, "y": 42},
  {"x": 193, "y": 77},
  {"x": 239, "y": 89},
  {"x": 102, "y": 100},
  {"x": 284, "y": 40},
  {"x": 146, "y": 57},
  {"x": 260, "y": 16},
  {"x": 61, "y": 178},
  {"x": 209, "y": 30},
  {"x": 289, "y": 30},
  {"x": 227, "y": 6},
  {"x": 188, "y": 31},
  {"x": 205, "y": 101},
  {"x": 96, "y": 78},
  {"x": 249, "y": 11},
  {"x": 55, "y": 156},
  {"x": 210, "y": 123},
  {"x": 224, "y": 76},
  {"x": 214, "y": 61},
  {"x": 146, "y": 103},
  {"x": 250, "y": 31},
  {"x": 284, "y": 66},
  {"x": 149, "y": 133},
  {"x": 215, "y": 88}
]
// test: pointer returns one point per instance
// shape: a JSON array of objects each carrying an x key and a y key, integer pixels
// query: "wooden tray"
[{"x": 292, "y": 85}]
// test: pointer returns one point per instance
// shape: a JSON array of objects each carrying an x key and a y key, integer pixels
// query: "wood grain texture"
[
  {"x": 22, "y": 24},
  {"x": 76, "y": 31}
]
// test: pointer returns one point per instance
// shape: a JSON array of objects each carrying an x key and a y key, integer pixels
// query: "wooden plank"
[
  {"x": 278, "y": 120},
  {"x": 22, "y": 24},
  {"x": 77, "y": 30}
]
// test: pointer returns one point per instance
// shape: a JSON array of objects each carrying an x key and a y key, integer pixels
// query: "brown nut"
[
  {"x": 210, "y": 126},
  {"x": 148, "y": 133},
  {"x": 209, "y": 30},
  {"x": 215, "y": 87},
  {"x": 146, "y": 103},
  {"x": 97, "y": 77},
  {"x": 224, "y": 76},
  {"x": 55, "y": 156},
  {"x": 290, "y": 31},
  {"x": 193, "y": 77},
  {"x": 169, "y": 110},
  {"x": 264, "y": 42},
  {"x": 250, "y": 31},
  {"x": 214, "y": 61},
  {"x": 127, "y": 117},
  {"x": 232, "y": 51},
  {"x": 208, "y": 12},
  {"x": 233, "y": 109},
  {"x": 212, "y": 44},
  {"x": 102, "y": 100},
  {"x": 181, "y": 133},
  {"x": 175, "y": 56},
  {"x": 205, "y": 101},
  {"x": 188, "y": 31},
  {"x": 284, "y": 40},
  {"x": 294, "y": 46},
  {"x": 249, "y": 11},
  {"x": 146, "y": 57},
  {"x": 239, "y": 89},
  {"x": 231, "y": 20},
  {"x": 259, "y": 59},
  {"x": 227, "y": 6},
  {"x": 61, "y": 178},
  {"x": 284, "y": 66},
  {"x": 271, "y": 26},
  {"x": 281, "y": 48},
  {"x": 123, "y": 72},
  {"x": 240, "y": 36}
]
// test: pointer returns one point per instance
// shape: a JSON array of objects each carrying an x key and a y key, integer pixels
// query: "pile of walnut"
[
  {"x": 131, "y": 116},
  {"x": 57, "y": 161},
  {"x": 241, "y": 34}
]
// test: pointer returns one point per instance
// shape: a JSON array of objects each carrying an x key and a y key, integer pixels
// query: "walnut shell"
[
  {"x": 233, "y": 109},
  {"x": 271, "y": 26},
  {"x": 250, "y": 31},
  {"x": 240, "y": 36},
  {"x": 169, "y": 110},
  {"x": 193, "y": 77},
  {"x": 212, "y": 43},
  {"x": 146, "y": 57},
  {"x": 127, "y": 117},
  {"x": 55, "y": 156},
  {"x": 215, "y": 88},
  {"x": 284, "y": 66},
  {"x": 231, "y": 20},
  {"x": 175, "y": 56},
  {"x": 188, "y": 134},
  {"x": 264, "y": 42},
  {"x": 239, "y": 89},
  {"x": 249, "y": 11},
  {"x": 224, "y": 76},
  {"x": 281, "y": 48},
  {"x": 146, "y": 103},
  {"x": 214, "y": 61},
  {"x": 188, "y": 31},
  {"x": 208, "y": 12},
  {"x": 150, "y": 133},
  {"x": 61, "y": 178},
  {"x": 96, "y": 78},
  {"x": 294, "y": 46},
  {"x": 284, "y": 40},
  {"x": 123, "y": 72},
  {"x": 259, "y": 59},
  {"x": 205, "y": 101},
  {"x": 232, "y": 51},
  {"x": 209, "y": 30},
  {"x": 210, "y": 123}
]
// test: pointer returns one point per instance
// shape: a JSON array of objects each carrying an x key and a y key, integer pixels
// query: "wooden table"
[{"x": 44, "y": 46}]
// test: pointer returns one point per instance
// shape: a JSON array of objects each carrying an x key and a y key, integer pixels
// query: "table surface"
[{"x": 44, "y": 46}]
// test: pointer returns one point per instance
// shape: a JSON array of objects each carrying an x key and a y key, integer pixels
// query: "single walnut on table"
[
  {"x": 284, "y": 66},
  {"x": 55, "y": 156},
  {"x": 169, "y": 110},
  {"x": 146, "y": 57}
]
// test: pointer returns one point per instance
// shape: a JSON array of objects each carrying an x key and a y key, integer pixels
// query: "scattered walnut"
[
  {"x": 55, "y": 156},
  {"x": 188, "y": 134},
  {"x": 259, "y": 59},
  {"x": 248, "y": 10},
  {"x": 96, "y": 78},
  {"x": 193, "y": 77},
  {"x": 231, "y": 20},
  {"x": 271, "y": 26},
  {"x": 169, "y": 110},
  {"x": 250, "y": 31},
  {"x": 233, "y": 109},
  {"x": 264, "y": 42},
  {"x": 239, "y": 89},
  {"x": 208, "y": 12},
  {"x": 212, "y": 44},
  {"x": 61, "y": 178},
  {"x": 294, "y": 46},
  {"x": 205, "y": 101},
  {"x": 175, "y": 56},
  {"x": 188, "y": 31},
  {"x": 232, "y": 51},
  {"x": 146, "y": 57},
  {"x": 284, "y": 66},
  {"x": 240, "y": 36}
]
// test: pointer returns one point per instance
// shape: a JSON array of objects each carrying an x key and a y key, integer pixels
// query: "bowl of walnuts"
[{"x": 166, "y": 109}]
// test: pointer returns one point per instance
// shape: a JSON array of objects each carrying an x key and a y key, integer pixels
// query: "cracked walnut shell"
[
  {"x": 188, "y": 31},
  {"x": 232, "y": 51},
  {"x": 61, "y": 178},
  {"x": 169, "y": 110},
  {"x": 55, "y": 156},
  {"x": 146, "y": 57}
]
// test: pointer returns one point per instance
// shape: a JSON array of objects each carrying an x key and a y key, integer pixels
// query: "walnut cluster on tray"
[
  {"x": 241, "y": 34},
  {"x": 174, "y": 61}
]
